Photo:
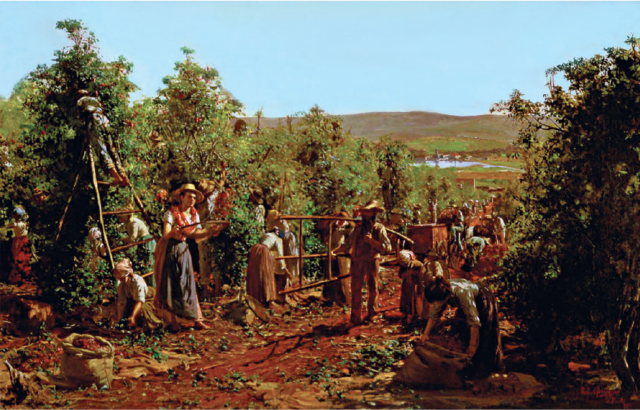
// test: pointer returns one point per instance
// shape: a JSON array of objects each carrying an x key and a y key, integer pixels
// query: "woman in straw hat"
[{"x": 174, "y": 267}]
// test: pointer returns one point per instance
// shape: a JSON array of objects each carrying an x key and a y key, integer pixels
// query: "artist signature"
[{"x": 606, "y": 396}]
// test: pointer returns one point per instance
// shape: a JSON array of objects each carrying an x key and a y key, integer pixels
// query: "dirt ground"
[{"x": 305, "y": 357}]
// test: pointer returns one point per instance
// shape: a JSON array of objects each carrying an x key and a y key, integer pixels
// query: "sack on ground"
[
  {"x": 83, "y": 367},
  {"x": 432, "y": 366}
]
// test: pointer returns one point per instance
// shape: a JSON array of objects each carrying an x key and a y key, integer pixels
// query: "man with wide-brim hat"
[
  {"x": 209, "y": 210},
  {"x": 367, "y": 241},
  {"x": 290, "y": 248}
]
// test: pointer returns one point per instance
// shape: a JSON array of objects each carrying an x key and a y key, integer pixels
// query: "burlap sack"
[
  {"x": 432, "y": 366},
  {"x": 82, "y": 367}
]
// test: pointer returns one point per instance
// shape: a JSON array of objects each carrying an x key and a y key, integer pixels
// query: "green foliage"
[
  {"x": 373, "y": 359},
  {"x": 231, "y": 247},
  {"x": 49, "y": 154},
  {"x": 575, "y": 263},
  {"x": 394, "y": 162},
  {"x": 182, "y": 135}
]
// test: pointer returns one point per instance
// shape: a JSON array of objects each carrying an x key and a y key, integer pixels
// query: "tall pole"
[
  {"x": 301, "y": 251},
  {"x": 329, "y": 248},
  {"x": 95, "y": 186}
]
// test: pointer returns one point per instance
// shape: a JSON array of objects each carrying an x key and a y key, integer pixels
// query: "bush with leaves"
[
  {"x": 575, "y": 266},
  {"x": 51, "y": 156}
]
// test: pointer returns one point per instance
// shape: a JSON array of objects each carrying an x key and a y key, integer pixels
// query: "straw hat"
[
  {"x": 189, "y": 188},
  {"x": 372, "y": 205},
  {"x": 273, "y": 217},
  {"x": 207, "y": 187}
]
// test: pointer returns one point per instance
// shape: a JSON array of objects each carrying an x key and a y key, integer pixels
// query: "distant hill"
[{"x": 418, "y": 127}]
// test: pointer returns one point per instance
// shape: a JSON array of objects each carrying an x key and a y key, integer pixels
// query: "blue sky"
[{"x": 348, "y": 57}]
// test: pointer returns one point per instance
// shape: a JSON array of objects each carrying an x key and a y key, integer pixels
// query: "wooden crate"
[{"x": 427, "y": 236}]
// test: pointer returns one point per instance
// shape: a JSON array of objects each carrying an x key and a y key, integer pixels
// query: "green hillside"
[
  {"x": 417, "y": 125},
  {"x": 459, "y": 144}
]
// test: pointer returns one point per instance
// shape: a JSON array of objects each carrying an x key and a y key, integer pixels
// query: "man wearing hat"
[
  {"x": 100, "y": 138},
  {"x": 367, "y": 241},
  {"x": 207, "y": 211}
]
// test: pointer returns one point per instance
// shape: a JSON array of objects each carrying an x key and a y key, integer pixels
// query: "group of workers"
[
  {"x": 169, "y": 293},
  {"x": 423, "y": 283}
]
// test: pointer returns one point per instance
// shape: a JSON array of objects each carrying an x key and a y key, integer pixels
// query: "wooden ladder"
[{"x": 101, "y": 214}]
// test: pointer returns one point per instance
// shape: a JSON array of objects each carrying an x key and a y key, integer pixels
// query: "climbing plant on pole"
[{"x": 54, "y": 142}]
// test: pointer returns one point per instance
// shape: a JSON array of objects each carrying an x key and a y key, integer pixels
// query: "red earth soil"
[{"x": 305, "y": 357}]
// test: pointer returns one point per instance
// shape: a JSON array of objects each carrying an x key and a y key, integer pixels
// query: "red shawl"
[
  {"x": 182, "y": 221},
  {"x": 161, "y": 247}
]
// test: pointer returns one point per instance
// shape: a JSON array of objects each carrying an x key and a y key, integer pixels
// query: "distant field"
[
  {"x": 449, "y": 144},
  {"x": 415, "y": 125},
  {"x": 486, "y": 174},
  {"x": 490, "y": 182}
]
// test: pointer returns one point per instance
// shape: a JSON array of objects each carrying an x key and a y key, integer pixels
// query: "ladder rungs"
[
  {"x": 130, "y": 245},
  {"x": 134, "y": 211}
]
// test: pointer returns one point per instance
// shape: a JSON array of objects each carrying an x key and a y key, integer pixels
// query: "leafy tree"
[
  {"x": 50, "y": 155},
  {"x": 337, "y": 168},
  {"x": 575, "y": 266},
  {"x": 394, "y": 162}
]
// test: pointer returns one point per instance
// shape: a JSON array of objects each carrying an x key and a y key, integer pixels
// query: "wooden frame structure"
[{"x": 301, "y": 256}]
